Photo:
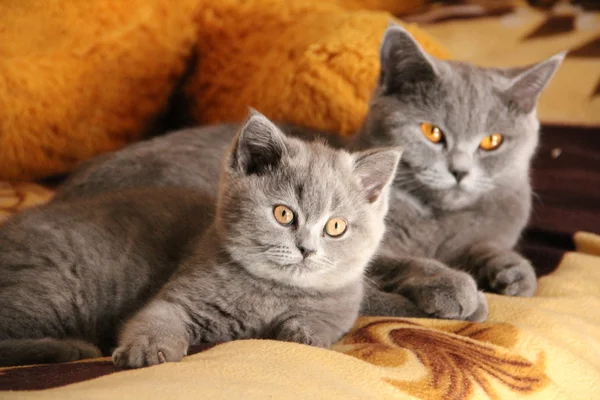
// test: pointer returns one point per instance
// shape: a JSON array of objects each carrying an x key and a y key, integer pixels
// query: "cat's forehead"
[
  {"x": 470, "y": 100},
  {"x": 319, "y": 179}
]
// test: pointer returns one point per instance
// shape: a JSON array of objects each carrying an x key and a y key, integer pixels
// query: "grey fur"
[
  {"x": 433, "y": 222},
  {"x": 181, "y": 271}
]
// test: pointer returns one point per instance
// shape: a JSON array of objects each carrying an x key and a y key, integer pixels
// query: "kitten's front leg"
[
  {"x": 437, "y": 290},
  {"x": 502, "y": 271},
  {"x": 155, "y": 335},
  {"x": 376, "y": 302}
]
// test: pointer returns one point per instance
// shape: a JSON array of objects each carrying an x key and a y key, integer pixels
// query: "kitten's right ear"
[
  {"x": 376, "y": 170},
  {"x": 258, "y": 146},
  {"x": 403, "y": 60}
]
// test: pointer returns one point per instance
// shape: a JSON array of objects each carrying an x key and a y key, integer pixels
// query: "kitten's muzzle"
[{"x": 306, "y": 252}]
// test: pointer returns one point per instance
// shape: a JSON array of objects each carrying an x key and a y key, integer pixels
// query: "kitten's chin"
[{"x": 305, "y": 276}]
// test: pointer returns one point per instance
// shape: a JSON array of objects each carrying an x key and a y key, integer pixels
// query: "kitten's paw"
[
  {"x": 294, "y": 331},
  {"x": 80, "y": 350},
  {"x": 66, "y": 350},
  {"x": 449, "y": 295},
  {"x": 145, "y": 351},
  {"x": 514, "y": 279}
]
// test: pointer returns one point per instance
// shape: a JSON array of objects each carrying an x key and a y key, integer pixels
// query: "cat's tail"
[{"x": 15, "y": 352}]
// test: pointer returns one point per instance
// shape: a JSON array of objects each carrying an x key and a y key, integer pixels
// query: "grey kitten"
[
  {"x": 453, "y": 203},
  {"x": 281, "y": 256}
]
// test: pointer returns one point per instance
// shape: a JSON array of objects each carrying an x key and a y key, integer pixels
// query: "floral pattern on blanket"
[{"x": 453, "y": 358}]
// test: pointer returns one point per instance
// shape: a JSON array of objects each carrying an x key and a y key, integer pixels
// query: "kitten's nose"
[
  {"x": 459, "y": 174},
  {"x": 305, "y": 251}
]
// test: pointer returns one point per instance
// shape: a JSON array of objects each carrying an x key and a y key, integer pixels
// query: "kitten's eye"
[
  {"x": 283, "y": 215},
  {"x": 335, "y": 227},
  {"x": 491, "y": 142},
  {"x": 432, "y": 133}
]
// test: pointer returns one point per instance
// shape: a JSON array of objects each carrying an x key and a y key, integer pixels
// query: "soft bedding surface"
[{"x": 543, "y": 347}]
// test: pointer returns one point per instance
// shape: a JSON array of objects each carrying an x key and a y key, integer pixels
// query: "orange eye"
[
  {"x": 284, "y": 215},
  {"x": 335, "y": 227},
  {"x": 491, "y": 142},
  {"x": 432, "y": 132}
]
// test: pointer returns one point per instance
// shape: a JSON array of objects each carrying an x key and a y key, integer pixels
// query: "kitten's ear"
[
  {"x": 376, "y": 170},
  {"x": 527, "y": 85},
  {"x": 258, "y": 146},
  {"x": 403, "y": 60}
]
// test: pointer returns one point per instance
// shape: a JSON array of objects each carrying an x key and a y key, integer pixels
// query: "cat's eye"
[
  {"x": 491, "y": 142},
  {"x": 335, "y": 227},
  {"x": 284, "y": 215},
  {"x": 432, "y": 132}
]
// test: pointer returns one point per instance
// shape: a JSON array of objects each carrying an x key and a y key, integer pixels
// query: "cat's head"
[
  {"x": 465, "y": 130},
  {"x": 302, "y": 213}
]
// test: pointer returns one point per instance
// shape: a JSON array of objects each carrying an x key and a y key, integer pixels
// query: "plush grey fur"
[
  {"x": 181, "y": 271},
  {"x": 435, "y": 222}
]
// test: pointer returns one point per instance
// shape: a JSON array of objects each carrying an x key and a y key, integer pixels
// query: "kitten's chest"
[{"x": 257, "y": 305}]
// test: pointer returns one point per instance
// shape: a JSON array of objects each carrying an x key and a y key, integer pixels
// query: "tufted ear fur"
[
  {"x": 403, "y": 61},
  {"x": 526, "y": 87},
  {"x": 258, "y": 146},
  {"x": 376, "y": 170}
]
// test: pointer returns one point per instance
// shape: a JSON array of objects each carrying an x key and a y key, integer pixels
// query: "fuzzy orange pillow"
[
  {"x": 308, "y": 62},
  {"x": 78, "y": 78}
]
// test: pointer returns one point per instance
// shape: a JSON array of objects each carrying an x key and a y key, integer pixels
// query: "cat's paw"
[
  {"x": 451, "y": 294},
  {"x": 294, "y": 330},
  {"x": 144, "y": 351},
  {"x": 511, "y": 275}
]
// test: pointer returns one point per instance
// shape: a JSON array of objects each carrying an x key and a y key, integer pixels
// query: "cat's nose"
[
  {"x": 459, "y": 174},
  {"x": 305, "y": 251}
]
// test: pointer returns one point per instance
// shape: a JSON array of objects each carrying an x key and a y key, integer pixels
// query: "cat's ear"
[
  {"x": 258, "y": 146},
  {"x": 376, "y": 169},
  {"x": 527, "y": 84},
  {"x": 403, "y": 60}
]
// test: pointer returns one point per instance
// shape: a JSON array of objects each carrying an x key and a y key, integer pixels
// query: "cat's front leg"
[
  {"x": 436, "y": 289},
  {"x": 502, "y": 271},
  {"x": 304, "y": 330},
  {"x": 155, "y": 335}
]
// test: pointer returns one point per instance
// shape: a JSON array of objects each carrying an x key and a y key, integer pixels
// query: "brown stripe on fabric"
[
  {"x": 545, "y": 249},
  {"x": 555, "y": 240},
  {"x": 587, "y": 50},
  {"x": 48, "y": 376},
  {"x": 545, "y": 259},
  {"x": 554, "y": 25},
  {"x": 39, "y": 377},
  {"x": 566, "y": 180},
  {"x": 596, "y": 91}
]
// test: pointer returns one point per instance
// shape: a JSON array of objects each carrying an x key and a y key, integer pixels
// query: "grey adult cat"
[
  {"x": 294, "y": 228},
  {"x": 461, "y": 196}
]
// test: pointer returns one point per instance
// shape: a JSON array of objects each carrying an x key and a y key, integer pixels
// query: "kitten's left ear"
[
  {"x": 376, "y": 170},
  {"x": 526, "y": 87},
  {"x": 258, "y": 146}
]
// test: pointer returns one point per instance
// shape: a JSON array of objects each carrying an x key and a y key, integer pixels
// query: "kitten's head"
[
  {"x": 465, "y": 130},
  {"x": 302, "y": 213}
]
